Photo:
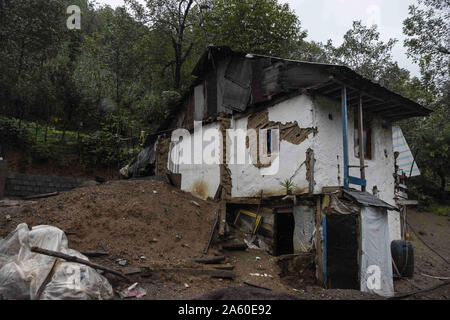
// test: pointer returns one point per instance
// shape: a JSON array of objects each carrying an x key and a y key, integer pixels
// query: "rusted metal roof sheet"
[{"x": 268, "y": 77}]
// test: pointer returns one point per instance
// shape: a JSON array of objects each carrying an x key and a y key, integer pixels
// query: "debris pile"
[{"x": 137, "y": 222}]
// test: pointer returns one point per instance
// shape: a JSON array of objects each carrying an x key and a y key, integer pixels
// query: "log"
[
  {"x": 209, "y": 259},
  {"x": 77, "y": 260}
]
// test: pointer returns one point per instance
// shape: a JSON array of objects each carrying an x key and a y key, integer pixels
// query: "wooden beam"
[{"x": 361, "y": 142}]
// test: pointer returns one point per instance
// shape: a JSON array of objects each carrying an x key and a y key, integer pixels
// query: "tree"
[
  {"x": 428, "y": 41},
  {"x": 428, "y": 37},
  {"x": 363, "y": 51},
  {"x": 255, "y": 26},
  {"x": 174, "y": 21}
]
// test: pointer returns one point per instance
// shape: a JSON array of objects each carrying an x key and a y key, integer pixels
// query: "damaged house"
[{"x": 314, "y": 172}]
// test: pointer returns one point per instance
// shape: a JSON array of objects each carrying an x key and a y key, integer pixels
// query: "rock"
[
  {"x": 155, "y": 192},
  {"x": 186, "y": 285},
  {"x": 122, "y": 262},
  {"x": 8, "y": 218},
  {"x": 258, "y": 258}
]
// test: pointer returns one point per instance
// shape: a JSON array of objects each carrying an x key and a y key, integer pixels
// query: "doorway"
[
  {"x": 342, "y": 251},
  {"x": 284, "y": 233}
]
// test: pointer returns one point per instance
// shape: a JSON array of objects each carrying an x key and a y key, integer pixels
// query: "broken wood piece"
[
  {"x": 93, "y": 254},
  {"x": 235, "y": 246},
  {"x": 77, "y": 260},
  {"x": 195, "y": 203},
  {"x": 209, "y": 259},
  {"x": 39, "y": 196},
  {"x": 213, "y": 230},
  {"x": 223, "y": 266},
  {"x": 256, "y": 286}
]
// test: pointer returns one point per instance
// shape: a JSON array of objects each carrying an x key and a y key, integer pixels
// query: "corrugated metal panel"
[
  {"x": 236, "y": 84},
  {"x": 367, "y": 199}
]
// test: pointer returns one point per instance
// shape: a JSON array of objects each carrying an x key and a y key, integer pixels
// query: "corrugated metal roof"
[
  {"x": 368, "y": 200},
  {"x": 274, "y": 76}
]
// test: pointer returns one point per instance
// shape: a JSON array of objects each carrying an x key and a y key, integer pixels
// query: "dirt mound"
[{"x": 146, "y": 222}]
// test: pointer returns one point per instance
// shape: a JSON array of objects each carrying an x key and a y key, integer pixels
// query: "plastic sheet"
[
  {"x": 23, "y": 273},
  {"x": 304, "y": 228},
  {"x": 376, "y": 260}
]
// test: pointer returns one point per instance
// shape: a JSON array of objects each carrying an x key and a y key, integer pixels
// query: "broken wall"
[{"x": 248, "y": 179}]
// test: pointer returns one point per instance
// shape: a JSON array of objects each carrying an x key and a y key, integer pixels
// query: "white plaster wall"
[
  {"x": 248, "y": 180},
  {"x": 205, "y": 177},
  {"x": 328, "y": 146}
]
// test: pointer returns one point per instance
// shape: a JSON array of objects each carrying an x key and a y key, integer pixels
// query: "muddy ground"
[{"x": 158, "y": 229}]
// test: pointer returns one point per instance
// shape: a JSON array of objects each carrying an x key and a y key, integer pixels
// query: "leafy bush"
[
  {"x": 13, "y": 137},
  {"x": 102, "y": 149},
  {"x": 42, "y": 153}
]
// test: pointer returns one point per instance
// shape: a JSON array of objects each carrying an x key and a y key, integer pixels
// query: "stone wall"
[{"x": 22, "y": 185}]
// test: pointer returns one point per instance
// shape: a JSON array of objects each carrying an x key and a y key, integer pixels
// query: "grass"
[{"x": 440, "y": 210}]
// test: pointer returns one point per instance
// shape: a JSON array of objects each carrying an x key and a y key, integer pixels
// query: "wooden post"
[
  {"x": 344, "y": 136},
  {"x": 361, "y": 142}
]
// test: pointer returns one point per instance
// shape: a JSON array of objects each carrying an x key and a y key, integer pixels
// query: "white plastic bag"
[{"x": 22, "y": 272}]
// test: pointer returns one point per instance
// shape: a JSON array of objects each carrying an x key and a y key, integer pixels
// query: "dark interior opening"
[
  {"x": 342, "y": 252},
  {"x": 284, "y": 233}
]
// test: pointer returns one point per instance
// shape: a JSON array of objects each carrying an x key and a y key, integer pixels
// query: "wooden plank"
[
  {"x": 404, "y": 202},
  {"x": 76, "y": 260},
  {"x": 213, "y": 230},
  {"x": 331, "y": 189}
]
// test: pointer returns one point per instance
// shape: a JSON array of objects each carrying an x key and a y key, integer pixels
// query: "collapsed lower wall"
[{"x": 22, "y": 185}]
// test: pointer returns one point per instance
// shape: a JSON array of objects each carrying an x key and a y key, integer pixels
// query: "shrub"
[{"x": 13, "y": 137}]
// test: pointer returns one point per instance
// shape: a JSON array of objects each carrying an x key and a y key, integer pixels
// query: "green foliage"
[
  {"x": 255, "y": 26},
  {"x": 12, "y": 135},
  {"x": 288, "y": 185},
  {"x": 45, "y": 153},
  {"x": 439, "y": 210},
  {"x": 428, "y": 37}
]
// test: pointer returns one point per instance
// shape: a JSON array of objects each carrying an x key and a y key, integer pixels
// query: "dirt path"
[{"x": 436, "y": 233}]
